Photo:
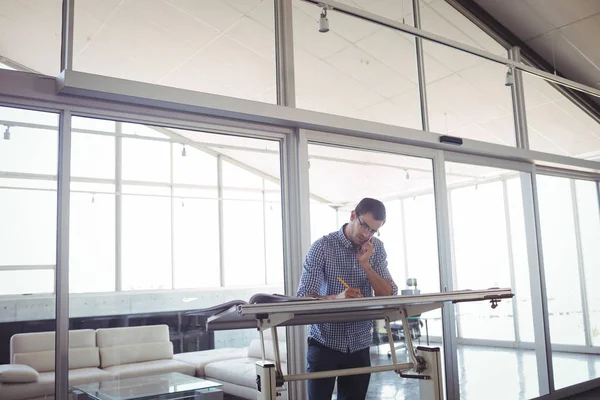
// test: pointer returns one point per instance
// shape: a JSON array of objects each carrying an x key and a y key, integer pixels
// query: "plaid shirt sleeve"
[
  {"x": 380, "y": 265},
  {"x": 312, "y": 278}
]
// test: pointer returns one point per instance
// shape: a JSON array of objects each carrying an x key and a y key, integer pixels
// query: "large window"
[
  {"x": 220, "y": 47},
  {"x": 28, "y": 167},
  {"x": 28, "y": 226},
  {"x": 556, "y": 125},
  {"x": 570, "y": 233},
  {"x": 489, "y": 249},
  {"x": 358, "y": 69}
]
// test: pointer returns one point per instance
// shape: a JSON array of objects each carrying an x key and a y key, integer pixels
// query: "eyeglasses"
[{"x": 367, "y": 227}]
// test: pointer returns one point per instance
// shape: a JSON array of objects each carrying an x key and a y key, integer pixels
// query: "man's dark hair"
[{"x": 368, "y": 205}]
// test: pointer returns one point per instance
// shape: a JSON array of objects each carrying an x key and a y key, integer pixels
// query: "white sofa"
[
  {"x": 238, "y": 375},
  {"x": 98, "y": 355}
]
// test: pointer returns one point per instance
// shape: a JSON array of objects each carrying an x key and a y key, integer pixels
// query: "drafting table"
[{"x": 273, "y": 311}]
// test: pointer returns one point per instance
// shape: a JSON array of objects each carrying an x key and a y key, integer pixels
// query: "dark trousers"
[{"x": 322, "y": 358}]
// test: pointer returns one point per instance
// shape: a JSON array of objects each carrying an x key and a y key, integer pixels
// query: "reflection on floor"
[{"x": 488, "y": 373}]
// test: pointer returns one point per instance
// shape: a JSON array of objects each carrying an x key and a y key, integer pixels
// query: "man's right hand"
[{"x": 350, "y": 293}]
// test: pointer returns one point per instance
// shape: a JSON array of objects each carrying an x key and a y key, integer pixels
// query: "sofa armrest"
[{"x": 18, "y": 373}]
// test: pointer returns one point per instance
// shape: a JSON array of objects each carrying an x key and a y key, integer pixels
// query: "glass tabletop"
[{"x": 146, "y": 387}]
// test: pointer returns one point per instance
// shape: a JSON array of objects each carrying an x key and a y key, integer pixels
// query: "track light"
[
  {"x": 509, "y": 80},
  {"x": 323, "y": 21},
  {"x": 7, "y": 133},
  {"x": 407, "y": 175},
  {"x": 183, "y": 152}
]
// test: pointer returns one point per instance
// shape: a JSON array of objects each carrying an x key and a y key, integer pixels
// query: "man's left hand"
[{"x": 365, "y": 251}]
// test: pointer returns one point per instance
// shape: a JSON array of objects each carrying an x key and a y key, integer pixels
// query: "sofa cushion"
[
  {"x": 42, "y": 341},
  {"x": 107, "y": 337},
  {"x": 150, "y": 368},
  {"x": 17, "y": 373},
  {"x": 239, "y": 371},
  {"x": 44, "y": 361},
  {"x": 254, "y": 350},
  {"x": 37, "y": 350},
  {"x": 45, "y": 384},
  {"x": 199, "y": 359},
  {"x": 135, "y": 353}
]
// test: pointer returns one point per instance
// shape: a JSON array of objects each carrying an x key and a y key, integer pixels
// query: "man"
[{"x": 359, "y": 259}]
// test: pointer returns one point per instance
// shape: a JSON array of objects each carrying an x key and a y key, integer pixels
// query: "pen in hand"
[
  {"x": 343, "y": 283},
  {"x": 349, "y": 292}
]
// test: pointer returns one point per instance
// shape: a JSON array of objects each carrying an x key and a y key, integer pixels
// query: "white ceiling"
[
  {"x": 358, "y": 69},
  {"x": 564, "y": 33}
]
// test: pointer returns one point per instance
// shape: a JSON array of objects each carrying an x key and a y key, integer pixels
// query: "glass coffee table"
[{"x": 171, "y": 385}]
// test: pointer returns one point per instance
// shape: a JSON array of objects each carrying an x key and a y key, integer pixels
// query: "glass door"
[
  {"x": 488, "y": 216},
  {"x": 342, "y": 171}
]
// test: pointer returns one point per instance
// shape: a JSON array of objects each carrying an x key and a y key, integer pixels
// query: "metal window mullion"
[
  {"x": 511, "y": 261},
  {"x": 446, "y": 279},
  {"x": 172, "y": 192},
  {"x": 61, "y": 384},
  {"x": 27, "y": 267},
  {"x": 517, "y": 90},
  {"x": 296, "y": 230},
  {"x": 404, "y": 241},
  {"x": 221, "y": 219},
  {"x": 580, "y": 264},
  {"x": 66, "y": 49},
  {"x": 537, "y": 282},
  {"x": 284, "y": 53},
  {"x": 422, "y": 81},
  {"x": 453, "y": 260},
  {"x": 118, "y": 208},
  {"x": 264, "y": 221}
]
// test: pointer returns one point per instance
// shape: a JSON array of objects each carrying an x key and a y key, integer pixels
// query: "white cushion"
[
  {"x": 135, "y": 353},
  {"x": 16, "y": 373},
  {"x": 254, "y": 350},
  {"x": 107, "y": 337},
  {"x": 43, "y": 341},
  {"x": 199, "y": 359},
  {"x": 44, "y": 387},
  {"x": 240, "y": 371},
  {"x": 150, "y": 368},
  {"x": 44, "y": 361}
]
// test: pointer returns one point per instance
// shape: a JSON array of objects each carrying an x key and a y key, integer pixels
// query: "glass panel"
[
  {"x": 489, "y": 249},
  {"x": 92, "y": 156},
  {"x": 146, "y": 244},
  {"x": 589, "y": 224},
  {"x": 193, "y": 167},
  {"x": 274, "y": 239},
  {"x": 24, "y": 149},
  {"x": 220, "y": 47},
  {"x": 323, "y": 219},
  {"x": 28, "y": 233},
  {"x": 30, "y": 35},
  {"x": 243, "y": 239},
  {"x": 405, "y": 185},
  {"x": 196, "y": 243},
  {"x": 569, "y": 225},
  {"x": 481, "y": 106},
  {"x": 358, "y": 69},
  {"x": 556, "y": 125},
  {"x": 560, "y": 261},
  {"x": 146, "y": 160},
  {"x": 158, "y": 245},
  {"x": 92, "y": 241},
  {"x": 32, "y": 216}
]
